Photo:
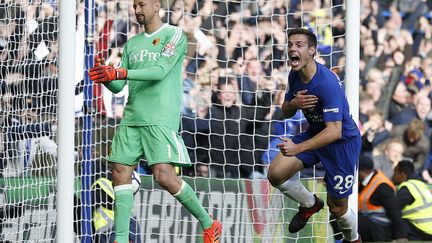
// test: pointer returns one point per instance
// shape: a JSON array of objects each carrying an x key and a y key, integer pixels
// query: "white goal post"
[
  {"x": 66, "y": 123},
  {"x": 352, "y": 69}
]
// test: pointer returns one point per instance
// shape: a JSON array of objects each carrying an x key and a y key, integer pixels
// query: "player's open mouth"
[{"x": 294, "y": 59}]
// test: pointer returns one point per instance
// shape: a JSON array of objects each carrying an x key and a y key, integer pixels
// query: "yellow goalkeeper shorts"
[{"x": 157, "y": 144}]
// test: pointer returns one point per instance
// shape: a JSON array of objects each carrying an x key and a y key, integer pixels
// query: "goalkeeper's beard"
[{"x": 141, "y": 19}]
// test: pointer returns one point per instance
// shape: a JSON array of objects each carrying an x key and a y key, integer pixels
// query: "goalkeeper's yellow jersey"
[{"x": 154, "y": 63}]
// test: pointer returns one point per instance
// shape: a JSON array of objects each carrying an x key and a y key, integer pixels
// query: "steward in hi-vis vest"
[
  {"x": 103, "y": 211},
  {"x": 376, "y": 213},
  {"x": 379, "y": 214},
  {"x": 415, "y": 200},
  {"x": 419, "y": 212}
]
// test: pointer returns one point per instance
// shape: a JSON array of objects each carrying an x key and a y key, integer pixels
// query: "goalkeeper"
[
  {"x": 332, "y": 138},
  {"x": 151, "y": 66}
]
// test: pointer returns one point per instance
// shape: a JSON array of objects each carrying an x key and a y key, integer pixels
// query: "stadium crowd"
[{"x": 234, "y": 80}]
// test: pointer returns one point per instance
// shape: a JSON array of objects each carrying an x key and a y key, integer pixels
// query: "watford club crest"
[{"x": 156, "y": 41}]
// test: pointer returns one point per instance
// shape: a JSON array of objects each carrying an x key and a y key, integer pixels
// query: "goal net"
[
  {"x": 28, "y": 104},
  {"x": 236, "y": 68}
]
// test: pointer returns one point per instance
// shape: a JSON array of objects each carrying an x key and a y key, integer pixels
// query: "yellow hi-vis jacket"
[
  {"x": 419, "y": 212},
  {"x": 103, "y": 218}
]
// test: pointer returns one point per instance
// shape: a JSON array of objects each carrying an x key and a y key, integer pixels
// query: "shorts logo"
[
  {"x": 334, "y": 110},
  {"x": 342, "y": 192},
  {"x": 168, "y": 50}
]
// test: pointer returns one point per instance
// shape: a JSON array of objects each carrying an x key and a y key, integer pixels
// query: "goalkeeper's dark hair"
[
  {"x": 312, "y": 39},
  {"x": 405, "y": 166}
]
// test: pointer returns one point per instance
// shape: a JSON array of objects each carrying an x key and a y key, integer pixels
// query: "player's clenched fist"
[
  {"x": 288, "y": 148},
  {"x": 102, "y": 74}
]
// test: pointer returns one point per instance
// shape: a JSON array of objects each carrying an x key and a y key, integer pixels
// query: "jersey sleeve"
[
  {"x": 332, "y": 97},
  {"x": 117, "y": 85},
  {"x": 289, "y": 95},
  {"x": 173, "y": 50},
  {"x": 125, "y": 57}
]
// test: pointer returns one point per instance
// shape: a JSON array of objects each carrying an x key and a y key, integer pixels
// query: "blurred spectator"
[
  {"x": 394, "y": 97},
  {"x": 188, "y": 97},
  {"x": 400, "y": 101},
  {"x": 374, "y": 131},
  {"x": 414, "y": 198},
  {"x": 366, "y": 104},
  {"x": 233, "y": 131},
  {"x": 374, "y": 89},
  {"x": 416, "y": 81},
  {"x": 192, "y": 125},
  {"x": 379, "y": 213},
  {"x": 31, "y": 147},
  {"x": 393, "y": 151},
  {"x": 248, "y": 84},
  {"x": 420, "y": 110},
  {"x": 417, "y": 144},
  {"x": 120, "y": 26},
  {"x": 28, "y": 147},
  {"x": 411, "y": 10}
]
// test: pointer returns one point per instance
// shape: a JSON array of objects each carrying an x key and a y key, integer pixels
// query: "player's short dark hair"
[
  {"x": 312, "y": 39},
  {"x": 406, "y": 167}
]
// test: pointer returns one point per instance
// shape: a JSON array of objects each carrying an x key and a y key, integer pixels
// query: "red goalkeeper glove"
[{"x": 103, "y": 74}]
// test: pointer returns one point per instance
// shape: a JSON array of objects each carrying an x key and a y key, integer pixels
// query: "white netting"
[
  {"x": 237, "y": 42},
  {"x": 28, "y": 151}
]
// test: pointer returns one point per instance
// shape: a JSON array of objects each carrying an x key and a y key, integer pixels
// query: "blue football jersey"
[{"x": 332, "y": 104}]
